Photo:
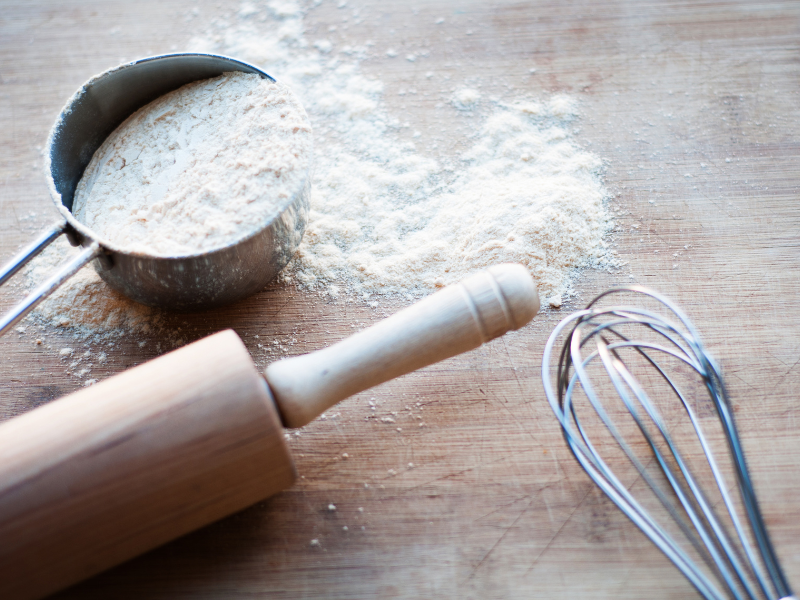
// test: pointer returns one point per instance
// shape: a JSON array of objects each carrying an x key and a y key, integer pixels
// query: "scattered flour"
[
  {"x": 387, "y": 218},
  {"x": 466, "y": 99},
  {"x": 86, "y": 305},
  {"x": 526, "y": 193},
  {"x": 198, "y": 168}
]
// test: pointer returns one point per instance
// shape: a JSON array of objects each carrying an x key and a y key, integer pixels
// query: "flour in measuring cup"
[{"x": 199, "y": 168}]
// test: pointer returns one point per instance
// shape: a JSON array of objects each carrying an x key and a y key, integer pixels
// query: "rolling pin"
[{"x": 102, "y": 475}]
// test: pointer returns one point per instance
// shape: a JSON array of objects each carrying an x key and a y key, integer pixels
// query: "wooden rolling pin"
[{"x": 116, "y": 469}]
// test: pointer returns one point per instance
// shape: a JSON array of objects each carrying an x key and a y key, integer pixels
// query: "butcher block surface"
[{"x": 694, "y": 108}]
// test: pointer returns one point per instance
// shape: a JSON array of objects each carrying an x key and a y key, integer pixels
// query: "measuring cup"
[{"x": 182, "y": 282}]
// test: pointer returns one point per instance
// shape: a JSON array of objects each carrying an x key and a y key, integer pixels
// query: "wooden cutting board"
[{"x": 694, "y": 108}]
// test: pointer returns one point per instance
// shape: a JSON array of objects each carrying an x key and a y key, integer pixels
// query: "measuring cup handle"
[
  {"x": 24, "y": 256},
  {"x": 13, "y": 316}
]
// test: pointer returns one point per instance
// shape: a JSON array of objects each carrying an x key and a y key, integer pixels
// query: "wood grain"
[{"x": 693, "y": 106}]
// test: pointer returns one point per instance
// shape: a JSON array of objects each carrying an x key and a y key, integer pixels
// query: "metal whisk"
[{"x": 645, "y": 359}]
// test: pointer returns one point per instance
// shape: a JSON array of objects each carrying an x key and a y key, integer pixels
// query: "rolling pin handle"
[{"x": 456, "y": 319}]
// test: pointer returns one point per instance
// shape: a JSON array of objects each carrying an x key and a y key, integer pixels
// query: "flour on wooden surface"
[
  {"x": 388, "y": 217},
  {"x": 525, "y": 193},
  {"x": 85, "y": 305},
  {"x": 466, "y": 98},
  {"x": 199, "y": 168}
]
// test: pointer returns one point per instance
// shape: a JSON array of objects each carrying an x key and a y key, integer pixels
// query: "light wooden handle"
[
  {"x": 458, "y": 318},
  {"x": 114, "y": 470}
]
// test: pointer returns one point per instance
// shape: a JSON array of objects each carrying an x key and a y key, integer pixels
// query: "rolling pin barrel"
[{"x": 107, "y": 473}]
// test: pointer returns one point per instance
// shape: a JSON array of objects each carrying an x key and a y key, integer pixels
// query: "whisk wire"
[
  {"x": 642, "y": 519},
  {"x": 753, "y": 563},
  {"x": 706, "y": 370},
  {"x": 693, "y": 501},
  {"x": 604, "y": 477},
  {"x": 746, "y": 488},
  {"x": 608, "y": 473},
  {"x": 591, "y": 461},
  {"x": 736, "y": 566}
]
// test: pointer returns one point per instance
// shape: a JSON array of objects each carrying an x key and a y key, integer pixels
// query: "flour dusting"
[
  {"x": 389, "y": 218},
  {"x": 466, "y": 98},
  {"x": 85, "y": 305},
  {"x": 526, "y": 193}
]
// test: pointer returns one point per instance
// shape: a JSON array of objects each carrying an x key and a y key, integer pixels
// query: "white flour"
[
  {"x": 389, "y": 218},
  {"x": 466, "y": 99},
  {"x": 198, "y": 168},
  {"x": 526, "y": 193}
]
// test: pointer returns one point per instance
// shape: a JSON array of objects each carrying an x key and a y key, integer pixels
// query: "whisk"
[{"x": 665, "y": 351}]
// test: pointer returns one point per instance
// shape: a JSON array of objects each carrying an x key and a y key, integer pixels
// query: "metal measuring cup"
[{"x": 183, "y": 282}]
